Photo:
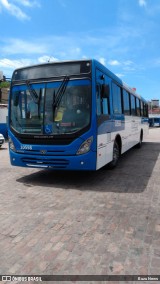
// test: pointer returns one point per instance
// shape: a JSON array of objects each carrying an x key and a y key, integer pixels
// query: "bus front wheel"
[{"x": 116, "y": 155}]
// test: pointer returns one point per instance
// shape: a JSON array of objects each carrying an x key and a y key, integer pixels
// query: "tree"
[{"x": 4, "y": 84}]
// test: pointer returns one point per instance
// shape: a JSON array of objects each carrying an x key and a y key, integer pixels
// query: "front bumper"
[{"x": 82, "y": 162}]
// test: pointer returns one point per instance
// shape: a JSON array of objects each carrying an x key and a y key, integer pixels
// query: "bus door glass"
[
  {"x": 102, "y": 95},
  {"x": 103, "y": 118}
]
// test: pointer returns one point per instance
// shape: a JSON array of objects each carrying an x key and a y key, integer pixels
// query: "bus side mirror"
[{"x": 105, "y": 91}]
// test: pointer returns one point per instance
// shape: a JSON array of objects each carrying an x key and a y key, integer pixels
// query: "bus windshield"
[{"x": 59, "y": 107}]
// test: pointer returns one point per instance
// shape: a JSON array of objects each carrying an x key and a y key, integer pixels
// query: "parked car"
[{"x": 2, "y": 140}]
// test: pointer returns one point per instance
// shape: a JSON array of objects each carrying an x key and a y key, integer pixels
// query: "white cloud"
[
  {"x": 72, "y": 46},
  {"x": 74, "y": 51},
  {"x": 142, "y": 3},
  {"x": 13, "y": 10},
  {"x": 129, "y": 65},
  {"x": 47, "y": 58},
  {"x": 19, "y": 46},
  {"x": 27, "y": 3},
  {"x": 57, "y": 47},
  {"x": 129, "y": 68},
  {"x": 120, "y": 75},
  {"x": 128, "y": 62},
  {"x": 8, "y": 65},
  {"x": 102, "y": 60},
  {"x": 13, "y": 64},
  {"x": 12, "y": 7},
  {"x": 114, "y": 62}
]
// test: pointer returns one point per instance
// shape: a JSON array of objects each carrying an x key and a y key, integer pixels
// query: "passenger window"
[
  {"x": 105, "y": 106},
  {"x": 117, "y": 103},
  {"x": 145, "y": 108},
  {"x": 142, "y": 113},
  {"x": 133, "y": 105},
  {"x": 102, "y": 103},
  {"x": 98, "y": 96},
  {"x": 126, "y": 103},
  {"x": 138, "y": 107}
]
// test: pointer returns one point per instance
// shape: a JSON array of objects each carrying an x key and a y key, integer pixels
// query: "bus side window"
[
  {"x": 138, "y": 107},
  {"x": 133, "y": 105},
  {"x": 126, "y": 103},
  {"x": 142, "y": 113},
  {"x": 98, "y": 96},
  {"x": 145, "y": 110},
  {"x": 102, "y": 102},
  {"x": 105, "y": 106},
  {"x": 117, "y": 99}
]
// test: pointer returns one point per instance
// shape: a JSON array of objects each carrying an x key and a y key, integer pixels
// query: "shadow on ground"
[{"x": 131, "y": 175}]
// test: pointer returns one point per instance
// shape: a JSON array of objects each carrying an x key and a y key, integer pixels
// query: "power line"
[
  {"x": 5, "y": 63},
  {"x": 10, "y": 64}
]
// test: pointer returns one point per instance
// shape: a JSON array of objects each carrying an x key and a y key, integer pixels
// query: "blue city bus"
[
  {"x": 154, "y": 120},
  {"x": 72, "y": 115}
]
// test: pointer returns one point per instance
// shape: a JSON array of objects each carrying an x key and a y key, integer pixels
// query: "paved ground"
[{"x": 106, "y": 222}]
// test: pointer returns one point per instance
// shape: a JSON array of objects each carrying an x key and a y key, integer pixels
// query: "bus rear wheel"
[
  {"x": 139, "y": 145},
  {"x": 116, "y": 155}
]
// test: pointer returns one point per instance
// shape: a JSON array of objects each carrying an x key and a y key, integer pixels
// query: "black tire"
[
  {"x": 139, "y": 145},
  {"x": 116, "y": 156}
]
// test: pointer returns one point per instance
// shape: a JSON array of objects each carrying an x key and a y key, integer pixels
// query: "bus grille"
[
  {"x": 51, "y": 163},
  {"x": 45, "y": 141}
]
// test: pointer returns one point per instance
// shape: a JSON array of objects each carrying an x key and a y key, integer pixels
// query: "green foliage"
[{"x": 4, "y": 84}]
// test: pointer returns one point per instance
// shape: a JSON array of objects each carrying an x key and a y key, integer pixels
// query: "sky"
[{"x": 124, "y": 35}]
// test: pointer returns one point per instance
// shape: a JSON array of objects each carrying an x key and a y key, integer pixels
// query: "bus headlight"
[
  {"x": 11, "y": 145},
  {"x": 85, "y": 146}
]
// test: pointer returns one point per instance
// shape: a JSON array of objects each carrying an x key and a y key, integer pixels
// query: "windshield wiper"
[
  {"x": 33, "y": 93},
  {"x": 35, "y": 96},
  {"x": 58, "y": 96}
]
